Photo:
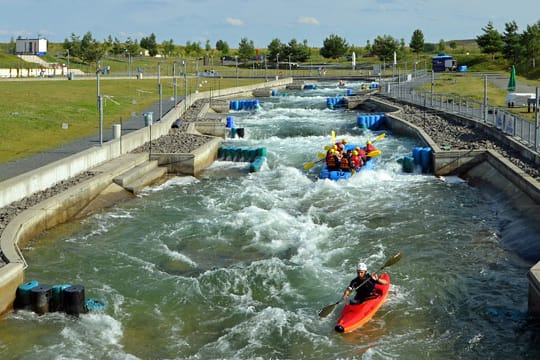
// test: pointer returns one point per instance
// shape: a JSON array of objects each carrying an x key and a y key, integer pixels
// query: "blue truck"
[{"x": 443, "y": 62}]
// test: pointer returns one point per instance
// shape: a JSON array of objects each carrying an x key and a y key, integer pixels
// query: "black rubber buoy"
[
  {"x": 339, "y": 328},
  {"x": 40, "y": 297},
  {"x": 74, "y": 302}
]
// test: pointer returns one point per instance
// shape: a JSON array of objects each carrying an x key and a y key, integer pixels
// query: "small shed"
[{"x": 31, "y": 46}]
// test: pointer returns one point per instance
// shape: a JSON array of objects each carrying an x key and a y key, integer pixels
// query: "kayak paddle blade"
[
  {"x": 309, "y": 165},
  {"x": 380, "y": 137},
  {"x": 327, "y": 310},
  {"x": 392, "y": 260},
  {"x": 321, "y": 155}
]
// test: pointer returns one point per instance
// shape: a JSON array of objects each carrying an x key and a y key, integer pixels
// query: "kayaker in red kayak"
[{"x": 364, "y": 284}]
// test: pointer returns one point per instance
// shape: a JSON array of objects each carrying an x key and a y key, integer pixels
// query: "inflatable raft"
[{"x": 343, "y": 175}]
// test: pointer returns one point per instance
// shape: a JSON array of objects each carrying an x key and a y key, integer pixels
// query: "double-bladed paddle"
[{"x": 327, "y": 310}]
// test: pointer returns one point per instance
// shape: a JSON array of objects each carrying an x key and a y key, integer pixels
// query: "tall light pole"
[
  {"x": 265, "y": 69},
  {"x": 236, "y": 59},
  {"x": 290, "y": 67},
  {"x": 99, "y": 104},
  {"x": 159, "y": 90},
  {"x": 185, "y": 85},
  {"x": 277, "y": 64},
  {"x": 174, "y": 82},
  {"x": 67, "y": 58}
]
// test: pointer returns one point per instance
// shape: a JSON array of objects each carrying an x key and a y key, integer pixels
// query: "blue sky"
[{"x": 357, "y": 21}]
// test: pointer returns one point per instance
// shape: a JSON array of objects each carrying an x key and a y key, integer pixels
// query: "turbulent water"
[{"x": 237, "y": 265}]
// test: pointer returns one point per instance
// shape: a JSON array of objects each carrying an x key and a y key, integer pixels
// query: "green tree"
[
  {"x": 417, "y": 41},
  {"x": 453, "y": 44},
  {"x": 117, "y": 47},
  {"x": 73, "y": 45},
  {"x": 441, "y": 46},
  {"x": 530, "y": 41},
  {"x": 91, "y": 49},
  {"x": 334, "y": 47},
  {"x": 298, "y": 52},
  {"x": 491, "y": 41},
  {"x": 222, "y": 46},
  {"x": 274, "y": 48},
  {"x": 207, "y": 46},
  {"x": 132, "y": 46},
  {"x": 193, "y": 48},
  {"x": 384, "y": 47},
  {"x": 168, "y": 47},
  {"x": 150, "y": 44},
  {"x": 246, "y": 49},
  {"x": 513, "y": 48}
]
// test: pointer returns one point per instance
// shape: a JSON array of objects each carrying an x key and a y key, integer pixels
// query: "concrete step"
[
  {"x": 121, "y": 164},
  {"x": 146, "y": 179},
  {"x": 135, "y": 172}
]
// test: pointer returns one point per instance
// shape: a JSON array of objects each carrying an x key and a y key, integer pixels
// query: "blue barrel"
[
  {"x": 95, "y": 304},
  {"x": 230, "y": 122},
  {"x": 407, "y": 164},
  {"x": 261, "y": 151},
  {"x": 425, "y": 159},
  {"x": 256, "y": 164},
  {"x": 57, "y": 301},
  {"x": 349, "y": 92},
  {"x": 274, "y": 93},
  {"x": 416, "y": 155},
  {"x": 22, "y": 297}
]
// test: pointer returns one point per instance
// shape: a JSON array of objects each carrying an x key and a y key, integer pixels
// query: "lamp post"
[
  {"x": 290, "y": 67},
  {"x": 99, "y": 104},
  {"x": 185, "y": 86},
  {"x": 174, "y": 82},
  {"x": 277, "y": 64},
  {"x": 159, "y": 90},
  {"x": 67, "y": 58},
  {"x": 265, "y": 69},
  {"x": 236, "y": 60}
]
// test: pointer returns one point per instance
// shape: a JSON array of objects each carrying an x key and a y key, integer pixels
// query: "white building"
[{"x": 31, "y": 46}]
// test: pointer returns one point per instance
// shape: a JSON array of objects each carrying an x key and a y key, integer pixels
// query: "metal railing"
[{"x": 407, "y": 88}]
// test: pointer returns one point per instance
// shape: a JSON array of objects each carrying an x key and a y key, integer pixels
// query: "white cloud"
[
  {"x": 234, "y": 22},
  {"x": 308, "y": 20}
]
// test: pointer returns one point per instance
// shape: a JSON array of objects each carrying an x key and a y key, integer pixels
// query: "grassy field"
[{"x": 37, "y": 115}]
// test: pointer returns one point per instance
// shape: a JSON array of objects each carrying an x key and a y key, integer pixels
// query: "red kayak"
[{"x": 354, "y": 316}]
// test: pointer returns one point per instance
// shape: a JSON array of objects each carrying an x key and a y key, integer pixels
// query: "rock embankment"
[{"x": 449, "y": 134}]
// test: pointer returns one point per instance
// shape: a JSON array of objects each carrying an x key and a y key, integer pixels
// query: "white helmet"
[{"x": 361, "y": 267}]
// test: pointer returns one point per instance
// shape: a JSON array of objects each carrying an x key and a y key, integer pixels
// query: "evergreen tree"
[
  {"x": 384, "y": 47},
  {"x": 491, "y": 41},
  {"x": 512, "y": 45},
  {"x": 334, "y": 47},
  {"x": 417, "y": 41},
  {"x": 530, "y": 40},
  {"x": 246, "y": 49}
]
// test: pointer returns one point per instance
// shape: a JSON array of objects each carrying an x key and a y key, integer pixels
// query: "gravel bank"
[{"x": 448, "y": 133}]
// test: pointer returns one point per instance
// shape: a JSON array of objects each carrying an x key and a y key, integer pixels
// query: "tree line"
[{"x": 518, "y": 48}]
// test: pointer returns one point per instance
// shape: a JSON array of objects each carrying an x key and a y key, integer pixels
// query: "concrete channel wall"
[{"x": 63, "y": 207}]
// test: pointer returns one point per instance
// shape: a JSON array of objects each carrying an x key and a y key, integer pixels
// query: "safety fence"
[{"x": 407, "y": 88}]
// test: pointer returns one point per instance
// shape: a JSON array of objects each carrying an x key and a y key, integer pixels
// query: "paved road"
[{"x": 21, "y": 166}]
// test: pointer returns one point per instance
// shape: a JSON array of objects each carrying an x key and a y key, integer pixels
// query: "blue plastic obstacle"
[{"x": 370, "y": 121}]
